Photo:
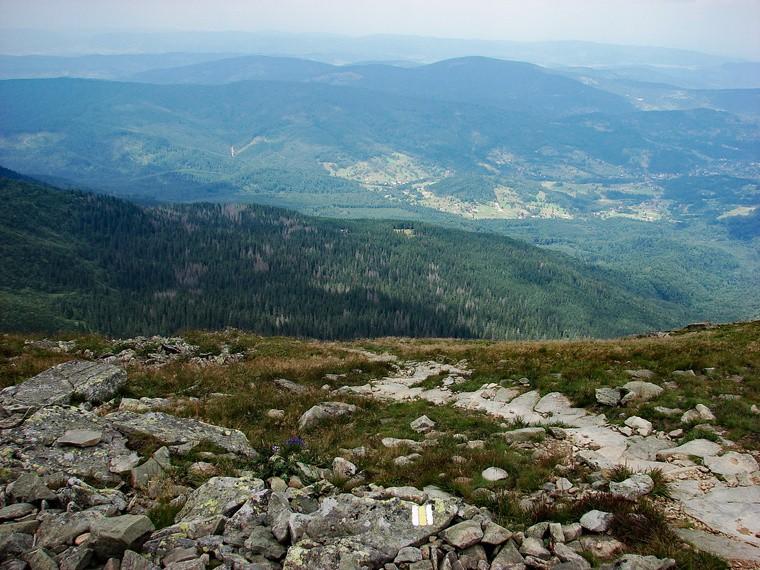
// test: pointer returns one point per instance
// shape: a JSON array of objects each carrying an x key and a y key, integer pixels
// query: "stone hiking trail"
[
  {"x": 79, "y": 495},
  {"x": 729, "y": 507}
]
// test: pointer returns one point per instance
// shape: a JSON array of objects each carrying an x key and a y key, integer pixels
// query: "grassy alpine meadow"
[{"x": 715, "y": 365}]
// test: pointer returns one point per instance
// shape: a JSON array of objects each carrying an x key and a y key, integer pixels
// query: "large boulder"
[
  {"x": 219, "y": 496},
  {"x": 29, "y": 488},
  {"x": 40, "y": 444},
  {"x": 180, "y": 434},
  {"x": 608, "y": 396},
  {"x": 349, "y": 532},
  {"x": 464, "y": 534},
  {"x": 597, "y": 521},
  {"x": 76, "y": 380},
  {"x": 112, "y": 536},
  {"x": 324, "y": 411}
]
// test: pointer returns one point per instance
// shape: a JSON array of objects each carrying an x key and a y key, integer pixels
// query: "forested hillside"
[{"x": 71, "y": 260}]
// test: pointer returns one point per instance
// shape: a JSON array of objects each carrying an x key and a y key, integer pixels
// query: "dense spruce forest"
[{"x": 72, "y": 260}]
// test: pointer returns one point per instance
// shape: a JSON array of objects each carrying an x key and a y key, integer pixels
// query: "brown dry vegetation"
[{"x": 238, "y": 396}]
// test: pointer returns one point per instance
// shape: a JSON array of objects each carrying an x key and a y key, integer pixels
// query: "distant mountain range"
[
  {"x": 654, "y": 182},
  {"x": 344, "y": 49},
  {"x": 474, "y": 137}
]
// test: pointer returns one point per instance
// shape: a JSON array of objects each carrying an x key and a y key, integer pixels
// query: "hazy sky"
[{"x": 716, "y": 26}]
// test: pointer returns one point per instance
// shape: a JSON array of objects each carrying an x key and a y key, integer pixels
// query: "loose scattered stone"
[
  {"x": 640, "y": 391},
  {"x": 290, "y": 386},
  {"x": 699, "y": 413},
  {"x": 608, "y": 396},
  {"x": 275, "y": 414},
  {"x": 567, "y": 554},
  {"x": 640, "y": 374},
  {"x": 29, "y": 488},
  {"x": 464, "y": 534},
  {"x": 343, "y": 469},
  {"x": 494, "y": 474},
  {"x": 509, "y": 558},
  {"x": 634, "y": 487},
  {"x": 637, "y": 562},
  {"x": 17, "y": 511},
  {"x": 597, "y": 521},
  {"x": 534, "y": 547},
  {"x": 80, "y": 438},
  {"x": 112, "y": 536},
  {"x": 603, "y": 547},
  {"x": 642, "y": 426},
  {"x": 202, "y": 469},
  {"x": 422, "y": 424},
  {"x": 324, "y": 411},
  {"x": 408, "y": 554}
]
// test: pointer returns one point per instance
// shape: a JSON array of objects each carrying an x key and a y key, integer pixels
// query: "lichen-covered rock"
[
  {"x": 29, "y": 488},
  {"x": 36, "y": 448},
  {"x": 638, "y": 562},
  {"x": 180, "y": 434},
  {"x": 89, "y": 381},
  {"x": 112, "y": 536},
  {"x": 608, "y": 396},
  {"x": 362, "y": 531},
  {"x": 464, "y": 534},
  {"x": 219, "y": 496},
  {"x": 58, "y": 531},
  {"x": 509, "y": 558},
  {"x": 80, "y": 438},
  {"x": 133, "y": 561}
]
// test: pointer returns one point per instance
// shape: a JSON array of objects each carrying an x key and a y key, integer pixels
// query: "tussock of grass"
[
  {"x": 162, "y": 514},
  {"x": 661, "y": 487},
  {"x": 697, "y": 433},
  {"x": 620, "y": 473}
]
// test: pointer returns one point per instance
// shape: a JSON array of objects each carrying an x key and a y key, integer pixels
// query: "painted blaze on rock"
[{"x": 349, "y": 531}]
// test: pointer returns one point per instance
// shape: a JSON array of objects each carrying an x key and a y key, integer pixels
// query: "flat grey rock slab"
[
  {"x": 350, "y": 532},
  {"x": 731, "y": 463},
  {"x": 696, "y": 447},
  {"x": 219, "y": 496},
  {"x": 80, "y": 437},
  {"x": 181, "y": 434},
  {"x": 36, "y": 447},
  {"x": 729, "y": 510},
  {"x": 94, "y": 382},
  {"x": 722, "y": 546}
]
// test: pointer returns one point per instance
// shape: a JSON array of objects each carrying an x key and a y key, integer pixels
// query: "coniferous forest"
[{"x": 77, "y": 261}]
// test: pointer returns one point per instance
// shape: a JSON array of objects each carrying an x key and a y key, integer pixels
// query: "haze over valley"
[{"x": 380, "y": 285}]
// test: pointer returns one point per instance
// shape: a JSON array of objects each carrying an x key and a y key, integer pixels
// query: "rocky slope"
[{"x": 97, "y": 475}]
